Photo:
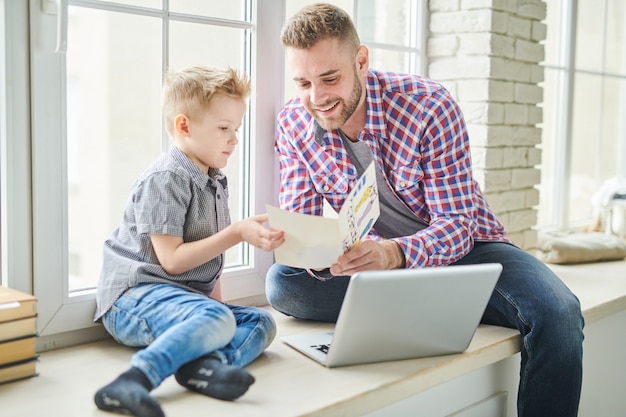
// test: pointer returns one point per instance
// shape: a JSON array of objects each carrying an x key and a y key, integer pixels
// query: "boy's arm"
[{"x": 177, "y": 256}]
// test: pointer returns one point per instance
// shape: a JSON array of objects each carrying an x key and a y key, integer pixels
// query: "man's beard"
[{"x": 349, "y": 107}]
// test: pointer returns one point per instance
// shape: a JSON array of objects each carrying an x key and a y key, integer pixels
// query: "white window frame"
[
  {"x": 36, "y": 259},
  {"x": 34, "y": 207},
  {"x": 566, "y": 70},
  {"x": 15, "y": 163},
  {"x": 563, "y": 120}
]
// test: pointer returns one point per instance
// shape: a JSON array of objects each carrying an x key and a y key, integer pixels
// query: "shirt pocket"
[
  {"x": 406, "y": 177},
  {"x": 331, "y": 183}
]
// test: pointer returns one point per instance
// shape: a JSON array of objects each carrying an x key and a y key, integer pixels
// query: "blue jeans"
[
  {"x": 528, "y": 297},
  {"x": 177, "y": 326}
]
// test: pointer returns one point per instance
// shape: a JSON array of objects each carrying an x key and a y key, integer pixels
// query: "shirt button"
[
  {"x": 326, "y": 188},
  {"x": 402, "y": 184}
]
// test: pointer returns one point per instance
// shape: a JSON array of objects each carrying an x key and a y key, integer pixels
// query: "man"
[{"x": 433, "y": 213}]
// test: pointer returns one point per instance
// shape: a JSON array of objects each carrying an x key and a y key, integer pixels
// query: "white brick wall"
[{"x": 488, "y": 54}]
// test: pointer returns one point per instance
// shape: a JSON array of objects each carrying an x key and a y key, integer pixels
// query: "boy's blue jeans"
[
  {"x": 177, "y": 326},
  {"x": 528, "y": 297}
]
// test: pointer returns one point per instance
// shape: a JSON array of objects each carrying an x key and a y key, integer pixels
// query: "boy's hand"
[{"x": 253, "y": 232}]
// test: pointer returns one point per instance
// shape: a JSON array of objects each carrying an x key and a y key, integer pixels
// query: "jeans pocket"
[{"x": 127, "y": 328}]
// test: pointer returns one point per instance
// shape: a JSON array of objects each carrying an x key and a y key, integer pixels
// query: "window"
[
  {"x": 77, "y": 127},
  {"x": 15, "y": 168},
  {"x": 584, "y": 131},
  {"x": 113, "y": 111},
  {"x": 96, "y": 125},
  {"x": 394, "y": 32}
]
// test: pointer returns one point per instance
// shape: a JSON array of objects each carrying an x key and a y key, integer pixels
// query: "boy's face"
[
  {"x": 210, "y": 140},
  {"x": 329, "y": 80}
]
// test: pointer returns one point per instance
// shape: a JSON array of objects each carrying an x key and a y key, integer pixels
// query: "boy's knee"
[
  {"x": 219, "y": 323},
  {"x": 267, "y": 323}
]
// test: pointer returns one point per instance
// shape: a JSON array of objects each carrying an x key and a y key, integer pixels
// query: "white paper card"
[{"x": 316, "y": 241}]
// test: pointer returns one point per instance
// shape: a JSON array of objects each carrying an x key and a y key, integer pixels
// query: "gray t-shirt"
[
  {"x": 395, "y": 219},
  {"x": 174, "y": 197}
]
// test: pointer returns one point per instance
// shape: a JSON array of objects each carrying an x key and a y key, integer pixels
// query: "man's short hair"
[{"x": 316, "y": 22}]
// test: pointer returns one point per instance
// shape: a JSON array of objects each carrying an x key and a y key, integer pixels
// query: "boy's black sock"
[
  {"x": 209, "y": 376},
  {"x": 129, "y": 394}
]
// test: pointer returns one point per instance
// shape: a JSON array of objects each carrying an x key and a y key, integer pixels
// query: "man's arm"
[
  {"x": 369, "y": 255},
  {"x": 440, "y": 189}
]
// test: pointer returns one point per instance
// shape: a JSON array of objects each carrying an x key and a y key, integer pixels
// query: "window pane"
[
  {"x": 387, "y": 21},
  {"x": 153, "y": 4},
  {"x": 613, "y": 133},
  {"x": 586, "y": 147},
  {"x": 222, "y": 9},
  {"x": 387, "y": 60},
  {"x": 597, "y": 140},
  {"x": 589, "y": 35},
  {"x": 212, "y": 45},
  {"x": 113, "y": 125},
  {"x": 616, "y": 37},
  {"x": 598, "y": 130}
]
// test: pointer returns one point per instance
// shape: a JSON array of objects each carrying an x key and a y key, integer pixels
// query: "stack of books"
[{"x": 18, "y": 331}]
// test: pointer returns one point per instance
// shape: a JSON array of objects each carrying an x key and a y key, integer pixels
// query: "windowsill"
[{"x": 289, "y": 384}]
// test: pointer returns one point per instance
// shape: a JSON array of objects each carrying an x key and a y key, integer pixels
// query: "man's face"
[{"x": 329, "y": 81}]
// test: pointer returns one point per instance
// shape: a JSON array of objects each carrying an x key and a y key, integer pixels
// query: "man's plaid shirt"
[{"x": 418, "y": 139}]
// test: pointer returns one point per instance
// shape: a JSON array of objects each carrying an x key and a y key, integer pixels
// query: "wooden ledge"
[{"x": 289, "y": 384}]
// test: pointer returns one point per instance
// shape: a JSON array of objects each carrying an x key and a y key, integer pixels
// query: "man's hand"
[{"x": 369, "y": 255}]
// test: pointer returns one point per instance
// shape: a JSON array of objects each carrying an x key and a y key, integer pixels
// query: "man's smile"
[{"x": 328, "y": 107}]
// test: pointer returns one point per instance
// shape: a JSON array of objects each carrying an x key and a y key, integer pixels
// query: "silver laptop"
[{"x": 404, "y": 314}]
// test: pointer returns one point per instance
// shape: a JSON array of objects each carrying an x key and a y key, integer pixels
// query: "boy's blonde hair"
[
  {"x": 319, "y": 21},
  {"x": 191, "y": 90}
]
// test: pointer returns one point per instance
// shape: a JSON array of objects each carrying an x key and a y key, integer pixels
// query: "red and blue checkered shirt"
[{"x": 419, "y": 142}]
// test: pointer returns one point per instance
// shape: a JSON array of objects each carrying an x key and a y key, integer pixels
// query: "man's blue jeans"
[
  {"x": 177, "y": 326},
  {"x": 528, "y": 297}
]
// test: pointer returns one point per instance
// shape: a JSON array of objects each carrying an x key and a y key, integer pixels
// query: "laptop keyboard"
[{"x": 322, "y": 348}]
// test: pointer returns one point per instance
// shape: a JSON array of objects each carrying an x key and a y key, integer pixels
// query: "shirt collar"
[
  {"x": 375, "y": 123},
  {"x": 199, "y": 177}
]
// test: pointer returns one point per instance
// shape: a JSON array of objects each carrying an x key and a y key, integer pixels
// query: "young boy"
[{"x": 159, "y": 285}]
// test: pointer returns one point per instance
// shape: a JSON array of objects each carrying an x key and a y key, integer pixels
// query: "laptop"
[{"x": 404, "y": 314}]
